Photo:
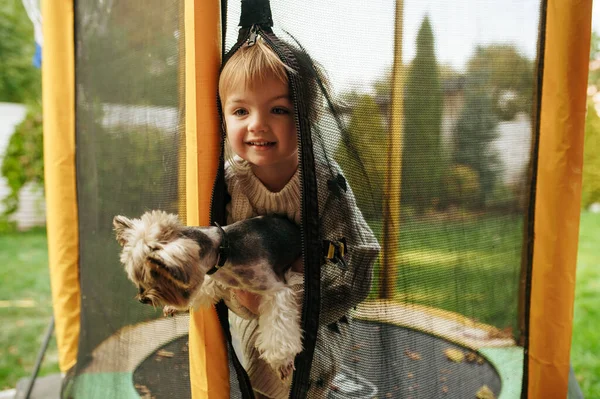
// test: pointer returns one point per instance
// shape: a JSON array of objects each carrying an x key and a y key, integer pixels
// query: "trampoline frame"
[{"x": 564, "y": 45}]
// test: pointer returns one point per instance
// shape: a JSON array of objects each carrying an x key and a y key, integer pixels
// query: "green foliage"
[
  {"x": 591, "y": 158},
  {"x": 422, "y": 159},
  {"x": 507, "y": 75},
  {"x": 365, "y": 152},
  {"x": 123, "y": 170},
  {"x": 138, "y": 53},
  {"x": 461, "y": 186},
  {"x": 20, "y": 81},
  {"x": 474, "y": 133},
  {"x": 23, "y": 161},
  {"x": 595, "y": 46}
]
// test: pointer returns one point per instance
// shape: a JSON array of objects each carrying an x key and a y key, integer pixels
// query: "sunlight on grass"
[
  {"x": 469, "y": 266},
  {"x": 585, "y": 350}
]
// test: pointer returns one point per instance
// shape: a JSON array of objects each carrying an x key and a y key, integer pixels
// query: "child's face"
[{"x": 259, "y": 121}]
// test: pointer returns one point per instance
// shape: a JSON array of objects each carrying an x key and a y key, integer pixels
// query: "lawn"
[
  {"x": 474, "y": 258},
  {"x": 585, "y": 351},
  {"x": 469, "y": 265},
  {"x": 25, "y": 306}
]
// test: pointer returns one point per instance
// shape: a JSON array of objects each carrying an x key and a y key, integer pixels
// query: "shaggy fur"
[{"x": 168, "y": 263}]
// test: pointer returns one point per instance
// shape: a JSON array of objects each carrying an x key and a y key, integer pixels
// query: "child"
[{"x": 262, "y": 177}]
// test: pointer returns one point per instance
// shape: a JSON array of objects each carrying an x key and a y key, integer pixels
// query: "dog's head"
[{"x": 159, "y": 259}]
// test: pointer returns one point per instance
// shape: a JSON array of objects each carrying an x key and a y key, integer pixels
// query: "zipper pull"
[{"x": 253, "y": 36}]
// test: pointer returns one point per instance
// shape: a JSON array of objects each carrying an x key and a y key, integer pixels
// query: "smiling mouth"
[{"x": 261, "y": 143}]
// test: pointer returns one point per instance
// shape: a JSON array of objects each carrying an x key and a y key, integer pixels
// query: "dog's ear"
[{"x": 121, "y": 224}]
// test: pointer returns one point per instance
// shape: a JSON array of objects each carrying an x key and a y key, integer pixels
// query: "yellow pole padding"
[
  {"x": 209, "y": 368},
  {"x": 391, "y": 206},
  {"x": 58, "y": 96},
  {"x": 558, "y": 195}
]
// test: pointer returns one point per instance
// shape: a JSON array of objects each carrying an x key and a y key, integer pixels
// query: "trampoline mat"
[
  {"x": 165, "y": 373},
  {"x": 391, "y": 362}
]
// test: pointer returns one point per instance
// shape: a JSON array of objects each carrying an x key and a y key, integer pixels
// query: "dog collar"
[{"x": 223, "y": 249}]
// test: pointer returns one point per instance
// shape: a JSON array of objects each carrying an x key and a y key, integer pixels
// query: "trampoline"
[
  {"x": 446, "y": 120},
  {"x": 388, "y": 372}
]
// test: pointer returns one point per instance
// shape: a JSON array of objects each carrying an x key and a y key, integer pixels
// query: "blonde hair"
[{"x": 251, "y": 65}]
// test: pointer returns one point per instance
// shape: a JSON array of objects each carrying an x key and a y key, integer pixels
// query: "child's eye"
[
  {"x": 240, "y": 112},
  {"x": 280, "y": 110}
]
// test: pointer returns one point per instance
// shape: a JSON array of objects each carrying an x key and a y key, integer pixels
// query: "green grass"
[
  {"x": 585, "y": 350},
  {"x": 469, "y": 265},
  {"x": 25, "y": 306}
]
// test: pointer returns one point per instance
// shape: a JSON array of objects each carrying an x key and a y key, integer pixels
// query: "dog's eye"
[
  {"x": 140, "y": 290},
  {"x": 155, "y": 248},
  {"x": 154, "y": 274}
]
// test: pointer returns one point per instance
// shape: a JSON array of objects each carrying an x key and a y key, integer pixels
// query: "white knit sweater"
[{"x": 249, "y": 198}]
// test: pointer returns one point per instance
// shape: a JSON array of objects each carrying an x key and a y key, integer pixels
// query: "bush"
[
  {"x": 124, "y": 171},
  {"x": 462, "y": 187},
  {"x": 23, "y": 161},
  {"x": 591, "y": 159}
]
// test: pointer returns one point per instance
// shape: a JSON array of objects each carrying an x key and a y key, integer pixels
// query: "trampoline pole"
[
  {"x": 40, "y": 357},
  {"x": 391, "y": 207}
]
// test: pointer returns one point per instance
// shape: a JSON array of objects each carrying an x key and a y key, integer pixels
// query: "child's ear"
[{"x": 121, "y": 224}]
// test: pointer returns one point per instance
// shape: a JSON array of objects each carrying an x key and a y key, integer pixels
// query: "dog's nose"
[{"x": 144, "y": 300}]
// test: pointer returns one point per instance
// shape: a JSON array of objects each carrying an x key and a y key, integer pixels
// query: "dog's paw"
[
  {"x": 169, "y": 311},
  {"x": 285, "y": 370}
]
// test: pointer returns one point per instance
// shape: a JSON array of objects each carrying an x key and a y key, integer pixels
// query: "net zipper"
[
  {"x": 300, "y": 380},
  {"x": 303, "y": 363}
]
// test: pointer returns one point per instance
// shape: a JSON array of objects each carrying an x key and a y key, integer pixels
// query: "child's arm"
[{"x": 343, "y": 287}]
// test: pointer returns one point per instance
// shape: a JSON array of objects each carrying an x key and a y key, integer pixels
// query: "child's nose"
[{"x": 257, "y": 123}]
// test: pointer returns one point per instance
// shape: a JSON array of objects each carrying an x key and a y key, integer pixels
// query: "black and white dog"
[{"x": 181, "y": 267}]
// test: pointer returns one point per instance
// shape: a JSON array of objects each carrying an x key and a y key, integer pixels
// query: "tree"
[
  {"x": 139, "y": 53},
  {"x": 594, "y": 73},
  {"x": 591, "y": 158},
  {"x": 595, "y": 46},
  {"x": 422, "y": 160},
  {"x": 362, "y": 155},
  {"x": 507, "y": 75},
  {"x": 19, "y": 79},
  {"x": 474, "y": 133}
]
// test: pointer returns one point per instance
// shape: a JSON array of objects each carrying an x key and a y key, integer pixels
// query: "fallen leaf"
[
  {"x": 412, "y": 355},
  {"x": 165, "y": 353},
  {"x": 485, "y": 393},
  {"x": 454, "y": 355}
]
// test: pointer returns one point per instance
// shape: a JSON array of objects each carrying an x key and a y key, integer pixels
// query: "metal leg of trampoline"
[{"x": 40, "y": 358}]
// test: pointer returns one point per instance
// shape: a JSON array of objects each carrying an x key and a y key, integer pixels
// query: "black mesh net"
[
  {"x": 448, "y": 136},
  {"x": 130, "y": 158},
  {"x": 443, "y": 317}
]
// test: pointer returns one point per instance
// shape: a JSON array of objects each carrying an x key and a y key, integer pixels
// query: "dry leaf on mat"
[
  {"x": 455, "y": 355},
  {"x": 485, "y": 393}
]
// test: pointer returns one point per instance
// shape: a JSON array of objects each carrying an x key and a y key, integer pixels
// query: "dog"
[{"x": 184, "y": 267}]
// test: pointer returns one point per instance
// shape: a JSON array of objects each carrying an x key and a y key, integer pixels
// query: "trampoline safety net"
[{"x": 430, "y": 113}]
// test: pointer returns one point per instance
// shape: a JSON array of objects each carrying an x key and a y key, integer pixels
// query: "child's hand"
[{"x": 249, "y": 300}]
